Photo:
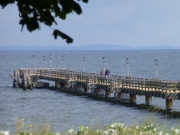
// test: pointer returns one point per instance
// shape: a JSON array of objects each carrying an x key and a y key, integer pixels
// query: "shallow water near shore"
[{"x": 64, "y": 111}]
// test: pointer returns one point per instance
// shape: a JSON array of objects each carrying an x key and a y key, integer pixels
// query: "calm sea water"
[{"x": 64, "y": 111}]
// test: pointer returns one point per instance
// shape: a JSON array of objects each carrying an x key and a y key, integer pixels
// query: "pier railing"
[
  {"x": 98, "y": 85},
  {"x": 126, "y": 82}
]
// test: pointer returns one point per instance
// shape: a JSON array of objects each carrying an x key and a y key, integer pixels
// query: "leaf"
[
  {"x": 4, "y": 3},
  {"x": 77, "y": 8},
  {"x": 62, "y": 15},
  {"x": 62, "y": 35},
  {"x": 86, "y": 1},
  {"x": 33, "y": 13},
  {"x": 32, "y": 24},
  {"x": 47, "y": 18}
]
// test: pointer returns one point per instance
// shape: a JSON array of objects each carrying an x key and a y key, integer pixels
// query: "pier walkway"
[{"x": 113, "y": 86}]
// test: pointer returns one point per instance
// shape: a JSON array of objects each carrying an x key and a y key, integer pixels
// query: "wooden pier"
[{"x": 111, "y": 87}]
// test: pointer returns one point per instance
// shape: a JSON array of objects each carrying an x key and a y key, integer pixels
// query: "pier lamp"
[
  {"x": 44, "y": 57},
  {"x": 103, "y": 59},
  {"x": 58, "y": 64},
  {"x": 50, "y": 62},
  {"x": 156, "y": 63},
  {"x": 127, "y": 63},
  {"x": 34, "y": 61},
  {"x": 84, "y": 62},
  {"x": 63, "y": 57}
]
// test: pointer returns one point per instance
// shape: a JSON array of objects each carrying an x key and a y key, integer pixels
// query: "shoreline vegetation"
[{"x": 147, "y": 128}]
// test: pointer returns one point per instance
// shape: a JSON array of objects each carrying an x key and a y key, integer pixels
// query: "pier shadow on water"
[{"x": 126, "y": 102}]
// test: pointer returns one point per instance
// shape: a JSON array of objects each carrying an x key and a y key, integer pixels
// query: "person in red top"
[{"x": 102, "y": 73}]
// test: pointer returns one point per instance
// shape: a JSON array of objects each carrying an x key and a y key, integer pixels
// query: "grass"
[
  {"x": 24, "y": 129},
  {"x": 147, "y": 128}
]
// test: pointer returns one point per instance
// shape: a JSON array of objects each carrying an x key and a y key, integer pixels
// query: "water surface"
[{"x": 66, "y": 111}]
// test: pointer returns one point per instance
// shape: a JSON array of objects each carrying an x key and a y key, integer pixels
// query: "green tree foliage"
[{"x": 34, "y": 12}]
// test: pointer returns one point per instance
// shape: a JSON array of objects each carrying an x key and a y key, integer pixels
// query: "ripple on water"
[{"x": 68, "y": 111}]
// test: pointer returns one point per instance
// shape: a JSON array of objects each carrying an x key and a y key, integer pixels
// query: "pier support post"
[
  {"x": 169, "y": 104},
  {"x": 15, "y": 83},
  {"x": 106, "y": 93},
  {"x": 88, "y": 88},
  {"x": 121, "y": 96},
  {"x": 29, "y": 82},
  {"x": 132, "y": 98},
  {"x": 67, "y": 84},
  {"x": 85, "y": 88},
  {"x": 19, "y": 78},
  {"x": 57, "y": 84},
  {"x": 148, "y": 100},
  {"x": 24, "y": 82}
]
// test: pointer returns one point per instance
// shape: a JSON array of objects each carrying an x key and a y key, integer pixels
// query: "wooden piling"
[
  {"x": 169, "y": 104},
  {"x": 29, "y": 84},
  {"x": 148, "y": 100},
  {"x": 121, "y": 96},
  {"x": 57, "y": 85},
  {"x": 15, "y": 83},
  {"x": 24, "y": 81},
  {"x": 88, "y": 85},
  {"x": 18, "y": 78},
  {"x": 67, "y": 84},
  {"x": 133, "y": 98}
]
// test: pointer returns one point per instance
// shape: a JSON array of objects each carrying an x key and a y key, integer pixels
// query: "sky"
[{"x": 129, "y": 23}]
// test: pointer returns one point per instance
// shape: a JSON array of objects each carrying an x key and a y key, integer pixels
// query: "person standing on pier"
[
  {"x": 107, "y": 72},
  {"x": 102, "y": 73}
]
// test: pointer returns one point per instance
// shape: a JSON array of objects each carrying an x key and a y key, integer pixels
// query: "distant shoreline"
[{"x": 83, "y": 48}]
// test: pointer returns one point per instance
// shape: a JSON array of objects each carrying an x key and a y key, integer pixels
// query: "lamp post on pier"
[
  {"x": 44, "y": 57},
  {"x": 127, "y": 63},
  {"x": 34, "y": 61},
  {"x": 58, "y": 64},
  {"x": 84, "y": 62},
  {"x": 63, "y": 57},
  {"x": 103, "y": 59},
  {"x": 50, "y": 62},
  {"x": 156, "y": 63}
]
